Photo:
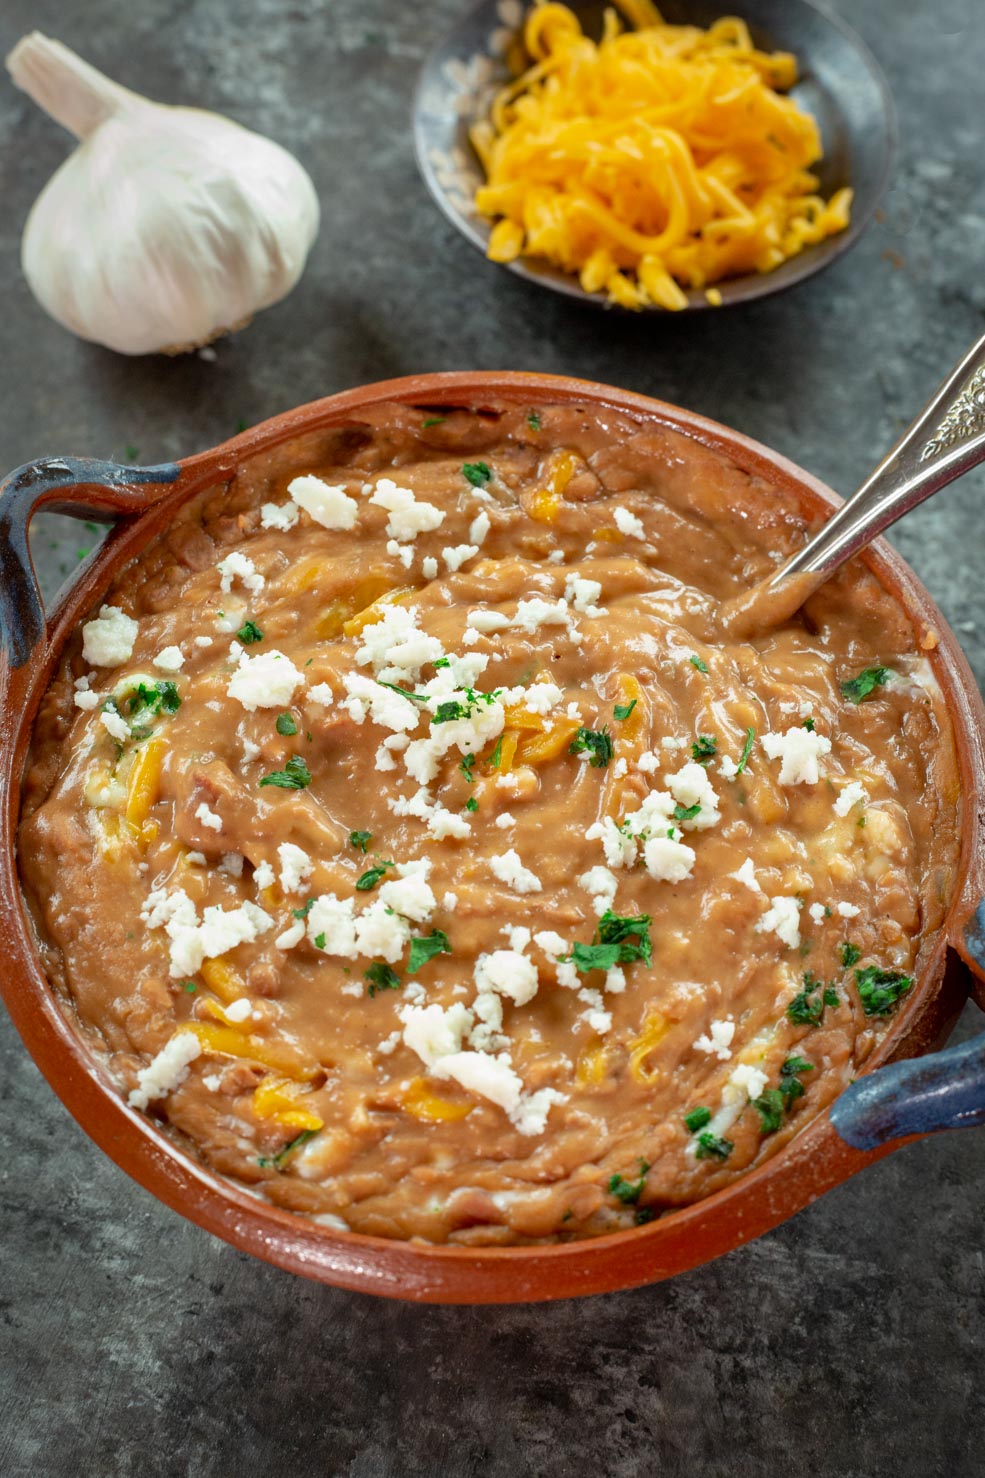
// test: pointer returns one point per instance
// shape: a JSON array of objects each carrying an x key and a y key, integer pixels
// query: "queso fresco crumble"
[{"x": 410, "y": 840}]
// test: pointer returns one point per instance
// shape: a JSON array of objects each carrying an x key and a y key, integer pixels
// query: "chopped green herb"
[
  {"x": 249, "y": 632},
  {"x": 809, "y": 725},
  {"x": 370, "y": 878},
  {"x": 613, "y": 943},
  {"x": 687, "y": 813},
  {"x": 447, "y": 713},
  {"x": 431, "y": 421},
  {"x": 319, "y": 941},
  {"x": 831, "y": 996},
  {"x": 497, "y": 754},
  {"x": 277, "y": 1162},
  {"x": 189, "y": 986},
  {"x": 861, "y": 820},
  {"x": 696, "y": 661},
  {"x": 827, "y": 911},
  {"x": 746, "y": 751},
  {"x": 595, "y": 742},
  {"x": 769, "y": 1106},
  {"x": 381, "y": 977},
  {"x": 880, "y": 991},
  {"x": 161, "y": 696},
  {"x": 477, "y": 473},
  {"x": 644, "y": 1214},
  {"x": 360, "y": 840},
  {"x": 623, "y": 710},
  {"x": 857, "y": 688},
  {"x": 471, "y": 804},
  {"x": 466, "y": 765},
  {"x": 404, "y": 693},
  {"x": 704, "y": 749},
  {"x": 533, "y": 420},
  {"x": 710, "y": 1147},
  {"x": 294, "y": 776},
  {"x": 594, "y": 956},
  {"x": 304, "y": 911},
  {"x": 850, "y": 954},
  {"x": 790, "y": 1085},
  {"x": 628, "y": 1191},
  {"x": 697, "y": 1118},
  {"x": 423, "y": 950},
  {"x": 285, "y": 724},
  {"x": 807, "y": 1007},
  {"x": 441, "y": 662}
]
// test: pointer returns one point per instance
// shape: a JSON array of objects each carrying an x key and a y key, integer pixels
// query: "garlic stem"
[{"x": 67, "y": 88}]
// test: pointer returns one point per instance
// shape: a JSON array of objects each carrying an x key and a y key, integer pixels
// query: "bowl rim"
[
  {"x": 749, "y": 287},
  {"x": 812, "y": 1162}
]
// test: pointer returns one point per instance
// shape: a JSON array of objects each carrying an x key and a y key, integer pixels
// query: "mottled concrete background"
[{"x": 846, "y": 1344}]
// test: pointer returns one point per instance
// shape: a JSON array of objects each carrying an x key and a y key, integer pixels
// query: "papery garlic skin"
[{"x": 166, "y": 227}]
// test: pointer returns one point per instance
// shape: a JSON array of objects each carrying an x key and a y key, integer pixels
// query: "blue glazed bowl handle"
[
  {"x": 80, "y": 487},
  {"x": 919, "y": 1095}
]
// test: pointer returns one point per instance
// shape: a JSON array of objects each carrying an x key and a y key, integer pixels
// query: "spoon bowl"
[{"x": 840, "y": 83}]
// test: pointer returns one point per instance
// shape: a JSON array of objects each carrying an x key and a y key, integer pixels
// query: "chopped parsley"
[
  {"x": 850, "y": 954},
  {"x": 277, "y": 1162},
  {"x": 360, "y": 840},
  {"x": 628, "y": 1191},
  {"x": 769, "y": 1106},
  {"x": 613, "y": 943},
  {"x": 697, "y": 662},
  {"x": 477, "y": 473},
  {"x": 285, "y": 725},
  {"x": 710, "y": 1147},
  {"x": 319, "y": 941},
  {"x": 304, "y": 911},
  {"x": 597, "y": 743},
  {"x": 423, "y": 950},
  {"x": 643, "y": 1215},
  {"x": 807, "y": 1006},
  {"x": 870, "y": 678},
  {"x": 809, "y": 725},
  {"x": 189, "y": 986},
  {"x": 249, "y": 632},
  {"x": 790, "y": 1085},
  {"x": 497, "y": 754},
  {"x": 404, "y": 692},
  {"x": 533, "y": 420},
  {"x": 623, "y": 710},
  {"x": 697, "y": 1119},
  {"x": 446, "y": 713},
  {"x": 687, "y": 813},
  {"x": 440, "y": 662},
  {"x": 160, "y": 697},
  {"x": 880, "y": 991},
  {"x": 746, "y": 751},
  {"x": 431, "y": 421},
  {"x": 381, "y": 977},
  {"x": 294, "y": 776},
  {"x": 471, "y": 804},
  {"x": 466, "y": 765},
  {"x": 372, "y": 876},
  {"x": 703, "y": 750}
]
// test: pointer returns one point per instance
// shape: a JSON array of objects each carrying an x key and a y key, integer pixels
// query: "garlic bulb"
[{"x": 166, "y": 227}]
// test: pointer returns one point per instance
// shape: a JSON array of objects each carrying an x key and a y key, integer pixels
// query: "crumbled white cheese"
[
  {"x": 115, "y": 726},
  {"x": 208, "y": 818},
  {"x": 747, "y": 874},
  {"x": 751, "y": 1079},
  {"x": 203, "y": 641},
  {"x": 295, "y": 867},
  {"x": 292, "y": 935},
  {"x": 332, "y": 920},
  {"x": 265, "y": 681},
  {"x": 281, "y": 516},
  {"x": 507, "y": 972},
  {"x": 583, "y": 595},
  {"x": 430, "y": 567},
  {"x": 619, "y": 849},
  {"x": 395, "y": 646},
  {"x": 434, "y": 1032},
  {"x": 541, "y": 697},
  {"x": 327, "y": 504},
  {"x": 240, "y": 1009},
  {"x": 321, "y": 694},
  {"x": 223, "y": 929},
  {"x": 602, "y": 885},
  {"x": 615, "y": 980},
  {"x": 620, "y": 768},
  {"x": 853, "y": 794},
  {"x": 486, "y": 620},
  {"x": 504, "y": 820},
  {"x": 264, "y": 875},
  {"x": 169, "y": 659},
  {"x": 479, "y": 528},
  {"x": 450, "y": 902},
  {"x": 193, "y": 859},
  {"x": 817, "y": 912},
  {"x": 443, "y": 824},
  {"x": 800, "y": 749},
  {"x": 456, "y": 555},
  {"x": 380, "y": 933},
  {"x": 717, "y": 1040},
  {"x": 551, "y": 943},
  {"x": 86, "y": 700},
  {"x": 385, "y": 707},
  {"x": 672, "y": 743},
  {"x": 238, "y": 566},
  {"x": 536, "y": 612},
  {"x": 627, "y": 523},
  {"x": 231, "y": 620},
  {"x": 108, "y": 640},
  {"x": 409, "y": 896},
  {"x": 782, "y": 918},
  {"x": 167, "y": 1071},
  {"x": 231, "y": 863},
  {"x": 649, "y": 762},
  {"x": 847, "y": 910},
  {"x": 692, "y": 787},
  {"x": 728, "y": 768},
  {"x": 510, "y": 870},
  {"x": 403, "y": 552},
  {"x": 668, "y": 861},
  {"x": 408, "y": 517}
]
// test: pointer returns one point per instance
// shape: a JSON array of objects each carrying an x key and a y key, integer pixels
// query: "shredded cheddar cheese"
[{"x": 657, "y": 160}]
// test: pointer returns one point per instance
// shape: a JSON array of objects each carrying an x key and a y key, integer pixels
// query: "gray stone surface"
[{"x": 848, "y": 1342}]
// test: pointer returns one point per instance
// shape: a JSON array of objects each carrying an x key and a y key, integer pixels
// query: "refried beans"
[{"x": 405, "y": 834}]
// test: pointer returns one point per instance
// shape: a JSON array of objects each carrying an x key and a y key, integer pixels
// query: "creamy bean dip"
[{"x": 408, "y": 838}]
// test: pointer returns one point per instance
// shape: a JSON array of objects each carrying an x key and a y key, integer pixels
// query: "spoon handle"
[{"x": 945, "y": 441}]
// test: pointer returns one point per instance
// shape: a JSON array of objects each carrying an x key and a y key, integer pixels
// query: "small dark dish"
[{"x": 841, "y": 84}]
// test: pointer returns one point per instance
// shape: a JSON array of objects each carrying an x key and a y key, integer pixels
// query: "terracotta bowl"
[{"x": 887, "y": 1104}]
